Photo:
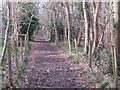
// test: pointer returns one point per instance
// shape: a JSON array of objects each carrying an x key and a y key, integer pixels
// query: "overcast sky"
[{"x": 57, "y": 0}]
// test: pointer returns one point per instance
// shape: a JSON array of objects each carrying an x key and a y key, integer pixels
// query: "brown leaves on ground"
[{"x": 49, "y": 67}]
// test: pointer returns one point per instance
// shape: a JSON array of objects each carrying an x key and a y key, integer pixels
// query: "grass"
[
  {"x": 2, "y": 37},
  {"x": 0, "y": 50},
  {"x": 108, "y": 72},
  {"x": 71, "y": 56},
  {"x": 104, "y": 84},
  {"x": 48, "y": 37},
  {"x": 22, "y": 67},
  {"x": 99, "y": 81},
  {"x": 29, "y": 47}
]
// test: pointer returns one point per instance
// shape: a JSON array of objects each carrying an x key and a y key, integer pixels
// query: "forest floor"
[{"x": 49, "y": 67}]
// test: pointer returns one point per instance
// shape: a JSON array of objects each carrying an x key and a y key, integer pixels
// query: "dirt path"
[{"x": 49, "y": 67}]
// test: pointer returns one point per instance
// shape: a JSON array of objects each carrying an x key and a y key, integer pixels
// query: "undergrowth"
[{"x": 103, "y": 79}]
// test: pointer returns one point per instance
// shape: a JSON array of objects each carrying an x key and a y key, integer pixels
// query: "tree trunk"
[
  {"x": 65, "y": 28},
  {"x": 55, "y": 28},
  {"x": 115, "y": 37},
  {"x": 95, "y": 43},
  {"x": 116, "y": 31},
  {"x": 68, "y": 24},
  {"x": 15, "y": 34},
  {"x": 21, "y": 48},
  {"x": 10, "y": 65},
  {"x": 6, "y": 32},
  {"x": 78, "y": 38},
  {"x": 86, "y": 27}
]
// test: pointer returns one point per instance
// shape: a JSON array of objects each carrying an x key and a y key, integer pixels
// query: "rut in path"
[{"x": 49, "y": 67}]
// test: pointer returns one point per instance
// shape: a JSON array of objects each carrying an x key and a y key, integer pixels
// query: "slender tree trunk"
[
  {"x": 78, "y": 39},
  {"x": 2, "y": 29},
  {"x": 55, "y": 28},
  {"x": 68, "y": 25},
  {"x": 86, "y": 27},
  {"x": 65, "y": 28},
  {"x": 15, "y": 34},
  {"x": 95, "y": 43},
  {"x": 21, "y": 48},
  {"x": 76, "y": 47},
  {"x": 6, "y": 32},
  {"x": 10, "y": 65}
]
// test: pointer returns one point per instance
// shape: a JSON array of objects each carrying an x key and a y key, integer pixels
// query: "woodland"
[{"x": 60, "y": 44}]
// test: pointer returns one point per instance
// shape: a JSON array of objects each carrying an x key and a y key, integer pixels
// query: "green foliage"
[
  {"x": 2, "y": 37},
  {"x": 65, "y": 51},
  {"x": 108, "y": 72},
  {"x": 97, "y": 81},
  {"x": 112, "y": 18},
  {"x": 59, "y": 25},
  {"x": 84, "y": 56},
  {"x": 29, "y": 47},
  {"x": 113, "y": 22},
  {"x": 22, "y": 67},
  {"x": 103, "y": 60},
  {"x": 103, "y": 54},
  {"x": 29, "y": 10},
  {"x": 4, "y": 20},
  {"x": 104, "y": 84},
  {"x": 0, "y": 50},
  {"x": 5, "y": 86},
  {"x": 49, "y": 38},
  {"x": 72, "y": 57},
  {"x": 17, "y": 80}
]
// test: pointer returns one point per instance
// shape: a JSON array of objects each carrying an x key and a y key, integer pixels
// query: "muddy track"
[{"x": 49, "y": 67}]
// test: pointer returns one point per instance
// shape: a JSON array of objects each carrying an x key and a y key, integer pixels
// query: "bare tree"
[
  {"x": 68, "y": 24},
  {"x": 86, "y": 27},
  {"x": 6, "y": 32},
  {"x": 95, "y": 42}
]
